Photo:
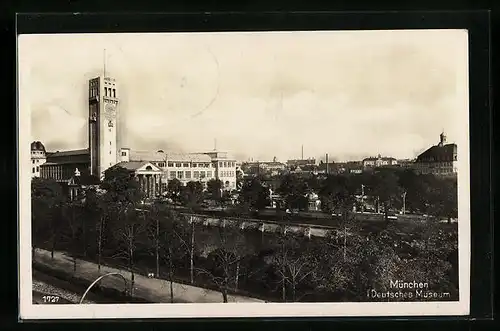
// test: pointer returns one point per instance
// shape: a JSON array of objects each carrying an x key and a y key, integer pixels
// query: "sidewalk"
[{"x": 150, "y": 289}]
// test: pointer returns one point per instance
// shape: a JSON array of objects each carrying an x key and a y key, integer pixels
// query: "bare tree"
[
  {"x": 224, "y": 264},
  {"x": 128, "y": 230},
  {"x": 293, "y": 264},
  {"x": 165, "y": 234},
  {"x": 70, "y": 214}
]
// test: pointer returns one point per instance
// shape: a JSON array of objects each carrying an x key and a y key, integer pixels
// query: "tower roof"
[{"x": 37, "y": 146}]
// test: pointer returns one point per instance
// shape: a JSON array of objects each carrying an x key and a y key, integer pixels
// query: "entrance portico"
[{"x": 149, "y": 177}]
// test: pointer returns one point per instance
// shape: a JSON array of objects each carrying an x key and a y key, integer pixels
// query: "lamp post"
[{"x": 101, "y": 277}]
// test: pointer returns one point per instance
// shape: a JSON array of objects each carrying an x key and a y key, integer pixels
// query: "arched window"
[{"x": 149, "y": 168}]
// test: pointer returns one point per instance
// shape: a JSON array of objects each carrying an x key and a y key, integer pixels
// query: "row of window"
[
  {"x": 110, "y": 92},
  {"x": 226, "y": 164},
  {"x": 187, "y": 165},
  {"x": 35, "y": 169},
  {"x": 35, "y": 161},
  {"x": 187, "y": 174},
  {"x": 227, "y": 173}
]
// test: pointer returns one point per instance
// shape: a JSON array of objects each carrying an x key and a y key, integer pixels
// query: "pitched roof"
[
  {"x": 131, "y": 165},
  {"x": 439, "y": 153},
  {"x": 187, "y": 157},
  {"x": 70, "y": 153},
  {"x": 147, "y": 156}
]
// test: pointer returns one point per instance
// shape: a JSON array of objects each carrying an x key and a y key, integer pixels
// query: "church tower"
[{"x": 103, "y": 106}]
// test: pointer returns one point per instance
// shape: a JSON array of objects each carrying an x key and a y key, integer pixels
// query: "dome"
[{"x": 37, "y": 146}]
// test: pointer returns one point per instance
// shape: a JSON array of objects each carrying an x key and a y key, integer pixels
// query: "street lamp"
[{"x": 101, "y": 277}]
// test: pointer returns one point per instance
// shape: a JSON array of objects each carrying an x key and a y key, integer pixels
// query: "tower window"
[
  {"x": 114, "y": 93},
  {"x": 106, "y": 91}
]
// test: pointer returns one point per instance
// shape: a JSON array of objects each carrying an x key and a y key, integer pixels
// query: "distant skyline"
[{"x": 260, "y": 95}]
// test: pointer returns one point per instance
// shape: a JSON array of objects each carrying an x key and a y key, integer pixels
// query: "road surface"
[{"x": 149, "y": 289}]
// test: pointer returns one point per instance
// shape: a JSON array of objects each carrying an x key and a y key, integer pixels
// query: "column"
[
  {"x": 142, "y": 183},
  {"x": 159, "y": 185},
  {"x": 154, "y": 186}
]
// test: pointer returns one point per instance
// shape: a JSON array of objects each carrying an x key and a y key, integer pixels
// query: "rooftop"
[
  {"x": 188, "y": 157},
  {"x": 147, "y": 156},
  {"x": 37, "y": 146},
  {"x": 438, "y": 153}
]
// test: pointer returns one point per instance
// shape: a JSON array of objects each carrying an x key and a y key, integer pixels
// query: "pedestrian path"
[{"x": 150, "y": 289}]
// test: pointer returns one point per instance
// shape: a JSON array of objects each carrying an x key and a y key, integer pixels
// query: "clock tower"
[{"x": 103, "y": 105}]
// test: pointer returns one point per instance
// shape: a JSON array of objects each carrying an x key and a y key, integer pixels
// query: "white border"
[{"x": 28, "y": 310}]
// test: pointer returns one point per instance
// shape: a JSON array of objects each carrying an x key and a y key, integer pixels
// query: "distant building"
[
  {"x": 439, "y": 160},
  {"x": 300, "y": 163},
  {"x": 61, "y": 166},
  {"x": 327, "y": 168},
  {"x": 379, "y": 161},
  {"x": 350, "y": 167},
  {"x": 406, "y": 163},
  {"x": 38, "y": 157},
  {"x": 264, "y": 167}
]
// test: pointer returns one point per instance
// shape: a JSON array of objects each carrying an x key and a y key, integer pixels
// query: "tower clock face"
[{"x": 110, "y": 112}]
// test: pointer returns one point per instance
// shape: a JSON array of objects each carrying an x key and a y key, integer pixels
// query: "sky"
[{"x": 256, "y": 95}]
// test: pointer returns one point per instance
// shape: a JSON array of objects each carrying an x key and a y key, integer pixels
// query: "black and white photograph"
[{"x": 244, "y": 174}]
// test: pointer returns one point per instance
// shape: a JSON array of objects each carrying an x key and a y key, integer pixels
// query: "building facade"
[
  {"x": 439, "y": 160},
  {"x": 185, "y": 167},
  {"x": 103, "y": 108},
  {"x": 38, "y": 157},
  {"x": 101, "y": 153},
  {"x": 379, "y": 161}
]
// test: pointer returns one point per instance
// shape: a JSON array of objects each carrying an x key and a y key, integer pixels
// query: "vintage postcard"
[{"x": 257, "y": 174}]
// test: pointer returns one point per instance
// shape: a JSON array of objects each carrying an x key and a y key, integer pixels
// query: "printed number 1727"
[{"x": 50, "y": 298}]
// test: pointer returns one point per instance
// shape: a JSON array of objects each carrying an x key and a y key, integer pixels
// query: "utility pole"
[
  {"x": 404, "y": 203},
  {"x": 362, "y": 198},
  {"x": 302, "y": 157}
]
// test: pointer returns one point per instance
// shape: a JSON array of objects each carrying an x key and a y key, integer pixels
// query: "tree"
[
  {"x": 443, "y": 198},
  {"x": 224, "y": 265},
  {"x": 192, "y": 195},
  {"x": 336, "y": 194},
  {"x": 174, "y": 187},
  {"x": 164, "y": 232},
  {"x": 387, "y": 189},
  {"x": 293, "y": 264},
  {"x": 254, "y": 194},
  {"x": 121, "y": 186},
  {"x": 47, "y": 198},
  {"x": 72, "y": 216},
  {"x": 128, "y": 230},
  {"x": 294, "y": 189},
  {"x": 214, "y": 188}
]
